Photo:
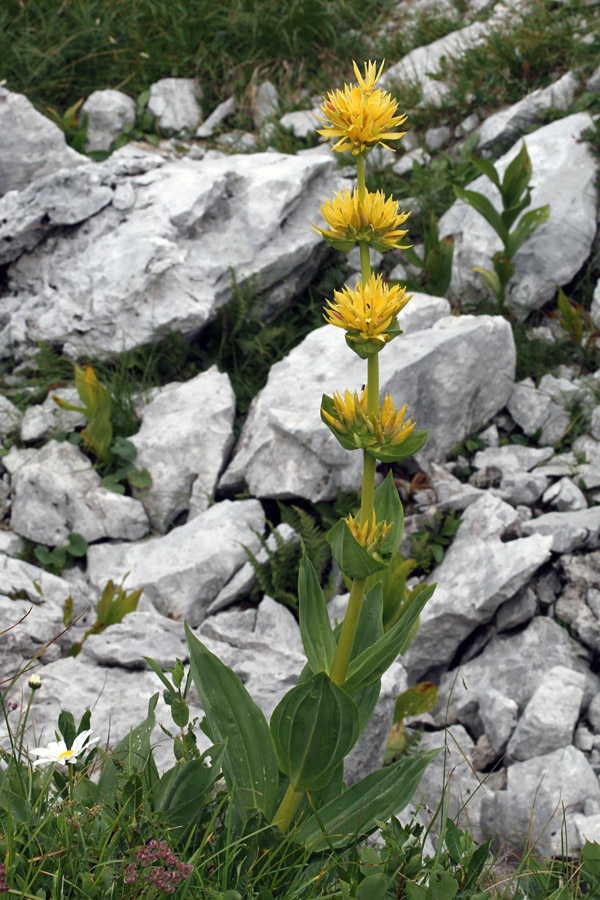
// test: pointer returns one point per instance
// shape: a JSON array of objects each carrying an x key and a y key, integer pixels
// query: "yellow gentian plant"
[{"x": 290, "y": 772}]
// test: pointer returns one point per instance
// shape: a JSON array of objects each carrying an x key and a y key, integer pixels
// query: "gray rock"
[
  {"x": 139, "y": 634},
  {"x": 549, "y": 256},
  {"x": 511, "y": 664},
  {"x": 192, "y": 222},
  {"x": 302, "y": 122},
  {"x": 595, "y": 423},
  {"x": 588, "y": 828},
  {"x": 542, "y": 407},
  {"x": 582, "y": 570},
  {"x": 284, "y": 450},
  {"x": 108, "y": 112},
  {"x": 478, "y": 573},
  {"x": 572, "y": 609},
  {"x": 569, "y": 530},
  {"x": 238, "y": 141},
  {"x": 65, "y": 197},
  {"x": 436, "y": 138},
  {"x": 565, "y": 496},
  {"x": 521, "y": 487},
  {"x": 498, "y": 715},
  {"x": 244, "y": 579},
  {"x": 175, "y": 103},
  {"x": 504, "y": 126},
  {"x": 217, "y": 116},
  {"x": 184, "y": 439},
  {"x": 10, "y": 417},
  {"x": 511, "y": 457},
  {"x": 367, "y": 754},
  {"x": 583, "y": 739},
  {"x": 593, "y": 82},
  {"x": 516, "y": 611},
  {"x": 266, "y": 103},
  {"x": 404, "y": 165},
  {"x": 423, "y": 62},
  {"x": 11, "y": 544},
  {"x": 593, "y": 713},
  {"x": 40, "y": 421},
  {"x": 467, "y": 125},
  {"x": 32, "y": 145},
  {"x": 182, "y": 572},
  {"x": 58, "y": 491},
  {"x": 536, "y": 793},
  {"x": 548, "y": 721},
  {"x": 450, "y": 492}
]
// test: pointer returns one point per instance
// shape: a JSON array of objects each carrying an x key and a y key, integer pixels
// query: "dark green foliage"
[{"x": 430, "y": 542}]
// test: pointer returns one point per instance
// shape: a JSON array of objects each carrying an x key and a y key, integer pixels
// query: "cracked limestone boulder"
[
  {"x": 108, "y": 113},
  {"x": 32, "y": 145},
  {"x": 57, "y": 491},
  {"x": 564, "y": 176},
  {"x": 478, "y": 574},
  {"x": 285, "y": 450},
  {"x": 175, "y": 102},
  {"x": 160, "y": 247},
  {"x": 184, "y": 440},
  {"x": 183, "y": 571}
]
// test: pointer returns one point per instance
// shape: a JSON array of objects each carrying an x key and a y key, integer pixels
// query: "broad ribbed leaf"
[
  {"x": 528, "y": 223},
  {"x": 182, "y": 792},
  {"x": 353, "y": 560},
  {"x": 510, "y": 215},
  {"x": 388, "y": 508},
  {"x": 315, "y": 627},
  {"x": 352, "y": 815},
  {"x": 516, "y": 178},
  {"x": 250, "y": 762},
  {"x": 486, "y": 208},
  {"x": 486, "y": 168},
  {"x": 313, "y": 728},
  {"x": 370, "y": 665}
]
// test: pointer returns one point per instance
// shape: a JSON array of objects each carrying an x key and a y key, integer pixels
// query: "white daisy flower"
[{"x": 57, "y": 751}]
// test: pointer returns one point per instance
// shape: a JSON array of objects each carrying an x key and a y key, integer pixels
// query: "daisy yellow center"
[{"x": 65, "y": 753}]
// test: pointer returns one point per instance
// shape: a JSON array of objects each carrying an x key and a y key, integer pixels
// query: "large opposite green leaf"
[
  {"x": 378, "y": 796},
  {"x": 388, "y": 508},
  {"x": 486, "y": 167},
  {"x": 486, "y": 208},
  {"x": 250, "y": 763},
  {"x": 315, "y": 627},
  {"x": 182, "y": 792},
  {"x": 516, "y": 178},
  {"x": 313, "y": 728},
  {"x": 527, "y": 223},
  {"x": 353, "y": 560},
  {"x": 370, "y": 665}
]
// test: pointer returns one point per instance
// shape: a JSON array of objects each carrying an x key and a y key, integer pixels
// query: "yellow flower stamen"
[
  {"x": 375, "y": 220},
  {"x": 371, "y": 76},
  {"x": 368, "y": 309},
  {"x": 66, "y": 753},
  {"x": 370, "y": 535}
]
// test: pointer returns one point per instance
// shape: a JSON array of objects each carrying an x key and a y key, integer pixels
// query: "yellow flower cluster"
[
  {"x": 376, "y": 220},
  {"x": 367, "y": 310},
  {"x": 384, "y": 429},
  {"x": 360, "y": 116},
  {"x": 370, "y": 535}
]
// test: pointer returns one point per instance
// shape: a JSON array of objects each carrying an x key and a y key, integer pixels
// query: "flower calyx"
[{"x": 375, "y": 220}]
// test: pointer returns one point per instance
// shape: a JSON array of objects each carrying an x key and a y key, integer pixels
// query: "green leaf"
[
  {"x": 70, "y": 406},
  {"x": 133, "y": 754},
  {"x": 313, "y": 728},
  {"x": 503, "y": 267},
  {"x": 124, "y": 449},
  {"x": 370, "y": 665},
  {"x": 139, "y": 478},
  {"x": 516, "y": 178},
  {"x": 78, "y": 546},
  {"x": 476, "y": 864},
  {"x": 315, "y": 627},
  {"x": 180, "y": 712},
  {"x": 415, "y": 700},
  {"x": 413, "y": 257},
  {"x": 250, "y": 763},
  {"x": 66, "y": 726},
  {"x": 111, "y": 483},
  {"x": 158, "y": 672},
  {"x": 452, "y": 838},
  {"x": 492, "y": 281},
  {"x": 486, "y": 168},
  {"x": 183, "y": 791},
  {"x": 408, "y": 447},
  {"x": 388, "y": 508},
  {"x": 373, "y": 887},
  {"x": 510, "y": 215},
  {"x": 378, "y": 796},
  {"x": 353, "y": 560},
  {"x": 527, "y": 224},
  {"x": 43, "y": 555},
  {"x": 486, "y": 208}
]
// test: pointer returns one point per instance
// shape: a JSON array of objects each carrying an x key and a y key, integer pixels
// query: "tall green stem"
[
  {"x": 348, "y": 633},
  {"x": 288, "y": 806}
]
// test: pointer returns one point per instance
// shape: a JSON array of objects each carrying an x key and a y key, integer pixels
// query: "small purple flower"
[{"x": 3, "y": 882}]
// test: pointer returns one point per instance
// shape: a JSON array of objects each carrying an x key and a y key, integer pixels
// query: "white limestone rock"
[
  {"x": 184, "y": 439},
  {"x": 511, "y": 457},
  {"x": 543, "y": 407},
  {"x": 175, "y": 103},
  {"x": 505, "y": 125},
  {"x": 404, "y": 165},
  {"x": 569, "y": 530},
  {"x": 551, "y": 255},
  {"x": 108, "y": 112},
  {"x": 436, "y": 138},
  {"x": 516, "y": 611},
  {"x": 217, "y": 116},
  {"x": 302, "y": 122},
  {"x": 478, "y": 573},
  {"x": 58, "y": 491},
  {"x": 499, "y": 715},
  {"x": 521, "y": 488},
  {"x": 10, "y": 417},
  {"x": 537, "y": 791},
  {"x": 548, "y": 721},
  {"x": 285, "y": 451},
  {"x": 32, "y": 145},
  {"x": 565, "y": 496},
  {"x": 127, "y": 277},
  {"x": 450, "y": 492},
  {"x": 266, "y": 103},
  {"x": 46, "y": 418},
  {"x": 139, "y": 634},
  {"x": 182, "y": 572}
]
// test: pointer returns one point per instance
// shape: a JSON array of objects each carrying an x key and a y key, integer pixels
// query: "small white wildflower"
[{"x": 57, "y": 751}]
